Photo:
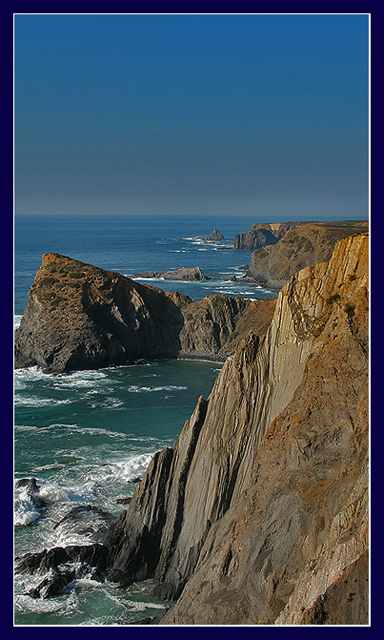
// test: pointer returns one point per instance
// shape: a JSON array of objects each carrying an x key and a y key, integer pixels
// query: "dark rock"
[
  {"x": 124, "y": 500},
  {"x": 64, "y": 565}
]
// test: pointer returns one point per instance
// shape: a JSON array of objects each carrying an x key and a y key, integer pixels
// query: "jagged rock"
[
  {"x": 215, "y": 235},
  {"x": 63, "y": 565},
  {"x": 303, "y": 245},
  {"x": 190, "y": 274},
  {"x": 260, "y": 508},
  {"x": 82, "y": 317}
]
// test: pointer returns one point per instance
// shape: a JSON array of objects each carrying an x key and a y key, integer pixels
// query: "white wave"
[
  {"x": 136, "y": 389},
  {"x": 108, "y": 403},
  {"x": 25, "y": 510},
  {"x": 34, "y": 401},
  {"x": 16, "y": 321},
  {"x": 24, "y": 602},
  {"x": 46, "y": 467}
]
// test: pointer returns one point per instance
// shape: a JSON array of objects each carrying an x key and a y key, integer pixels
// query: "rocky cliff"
[
  {"x": 298, "y": 247},
  {"x": 259, "y": 512},
  {"x": 262, "y": 234},
  {"x": 81, "y": 317}
]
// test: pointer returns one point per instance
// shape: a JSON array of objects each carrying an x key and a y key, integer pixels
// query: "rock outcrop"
[
  {"x": 82, "y": 317},
  {"x": 300, "y": 246},
  {"x": 262, "y": 234},
  {"x": 259, "y": 512},
  {"x": 215, "y": 235},
  {"x": 190, "y": 274}
]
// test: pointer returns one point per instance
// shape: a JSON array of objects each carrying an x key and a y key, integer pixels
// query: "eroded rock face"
[
  {"x": 82, "y": 317},
  {"x": 300, "y": 246},
  {"x": 259, "y": 512}
]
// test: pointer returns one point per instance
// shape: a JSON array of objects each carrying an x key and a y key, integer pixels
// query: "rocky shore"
[{"x": 259, "y": 512}]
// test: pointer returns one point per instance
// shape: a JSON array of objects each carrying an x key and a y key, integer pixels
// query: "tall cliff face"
[
  {"x": 258, "y": 514},
  {"x": 300, "y": 246},
  {"x": 82, "y": 317}
]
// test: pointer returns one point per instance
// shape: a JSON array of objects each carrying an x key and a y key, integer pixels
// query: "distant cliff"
[
  {"x": 81, "y": 317},
  {"x": 262, "y": 234},
  {"x": 299, "y": 247},
  {"x": 259, "y": 512}
]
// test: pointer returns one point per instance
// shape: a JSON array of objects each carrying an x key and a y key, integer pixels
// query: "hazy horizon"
[{"x": 265, "y": 116}]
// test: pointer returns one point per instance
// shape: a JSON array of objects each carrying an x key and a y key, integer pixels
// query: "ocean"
[{"x": 88, "y": 436}]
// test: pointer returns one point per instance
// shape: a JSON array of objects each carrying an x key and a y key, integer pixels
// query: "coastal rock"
[
  {"x": 259, "y": 512},
  {"x": 61, "y": 566},
  {"x": 82, "y": 317},
  {"x": 215, "y": 235},
  {"x": 300, "y": 246},
  {"x": 189, "y": 274}
]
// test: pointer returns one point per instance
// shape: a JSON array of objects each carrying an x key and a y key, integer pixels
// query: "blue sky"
[{"x": 265, "y": 115}]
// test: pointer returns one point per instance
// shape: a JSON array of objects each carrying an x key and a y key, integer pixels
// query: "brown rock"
[{"x": 260, "y": 508}]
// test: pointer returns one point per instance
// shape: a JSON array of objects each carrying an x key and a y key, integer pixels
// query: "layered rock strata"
[
  {"x": 259, "y": 512},
  {"x": 300, "y": 246},
  {"x": 82, "y": 317}
]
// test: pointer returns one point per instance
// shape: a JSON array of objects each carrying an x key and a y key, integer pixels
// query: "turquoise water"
[{"x": 87, "y": 436}]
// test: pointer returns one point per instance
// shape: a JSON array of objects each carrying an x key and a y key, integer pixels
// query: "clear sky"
[{"x": 192, "y": 114}]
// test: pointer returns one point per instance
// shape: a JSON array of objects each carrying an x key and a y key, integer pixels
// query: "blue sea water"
[{"x": 87, "y": 436}]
